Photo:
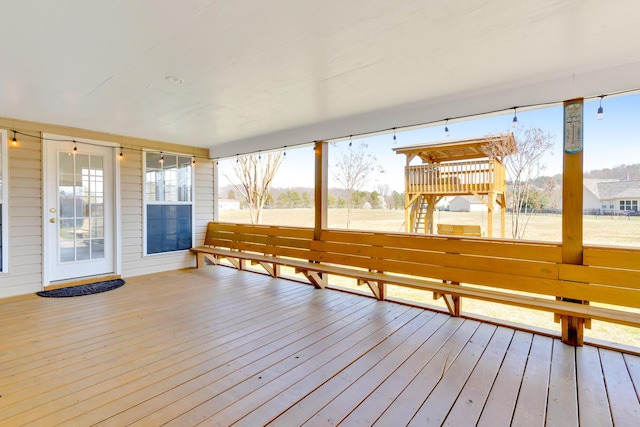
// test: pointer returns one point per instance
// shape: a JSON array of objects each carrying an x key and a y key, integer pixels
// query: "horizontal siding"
[
  {"x": 25, "y": 219},
  {"x": 25, "y": 273}
]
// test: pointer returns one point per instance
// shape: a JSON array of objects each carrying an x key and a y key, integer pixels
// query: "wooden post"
[
  {"x": 216, "y": 196},
  {"x": 428, "y": 221},
  {"x": 490, "y": 206},
  {"x": 503, "y": 208},
  {"x": 321, "y": 187},
  {"x": 408, "y": 225},
  {"x": 572, "y": 182}
]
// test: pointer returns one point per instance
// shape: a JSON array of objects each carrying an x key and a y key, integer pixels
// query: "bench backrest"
[{"x": 608, "y": 275}]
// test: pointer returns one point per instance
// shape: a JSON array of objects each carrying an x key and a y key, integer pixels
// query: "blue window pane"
[{"x": 168, "y": 228}]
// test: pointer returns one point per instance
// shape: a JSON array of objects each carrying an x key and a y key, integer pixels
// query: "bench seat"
[{"x": 440, "y": 264}]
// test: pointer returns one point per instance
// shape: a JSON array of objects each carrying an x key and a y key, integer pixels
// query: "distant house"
[
  {"x": 611, "y": 196},
  {"x": 228, "y": 205},
  {"x": 467, "y": 204}
]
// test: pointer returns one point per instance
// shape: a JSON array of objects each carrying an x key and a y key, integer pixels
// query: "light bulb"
[{"x": 600, "y": 109}]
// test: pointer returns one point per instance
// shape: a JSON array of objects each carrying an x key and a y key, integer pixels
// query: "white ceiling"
[{"x": 267, "y": 73}]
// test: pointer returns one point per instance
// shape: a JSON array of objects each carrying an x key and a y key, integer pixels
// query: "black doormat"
[{"x": 88, "y": 289}]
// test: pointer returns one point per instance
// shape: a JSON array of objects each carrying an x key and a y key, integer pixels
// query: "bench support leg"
[
  {"x": 319, "y": 280},
  {"x": 201, "y": 258},
  {"x": 379, "y": 289},
  {"x": 237, "y": 262},
  {"x": 453, "y": 302},
  {"x": 271, "y": 268}
]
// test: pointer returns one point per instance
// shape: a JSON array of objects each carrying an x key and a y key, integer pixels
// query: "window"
[
  {"x": 4, "y": 197},
  {"x": 168, "y": 202},
  {"x": 628, "y": 205}
]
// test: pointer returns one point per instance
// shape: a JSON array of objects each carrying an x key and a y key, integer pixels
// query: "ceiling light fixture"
[{"x": 174, "y": 80}]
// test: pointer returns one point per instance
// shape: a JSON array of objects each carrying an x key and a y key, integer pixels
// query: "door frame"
[{"x": 49, "y": 138}]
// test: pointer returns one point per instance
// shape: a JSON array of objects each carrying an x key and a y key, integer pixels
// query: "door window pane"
[{"x": 81, "y": 207}]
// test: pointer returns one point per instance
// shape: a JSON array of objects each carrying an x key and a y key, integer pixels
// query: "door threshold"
[{"x": 80, "y": 281}]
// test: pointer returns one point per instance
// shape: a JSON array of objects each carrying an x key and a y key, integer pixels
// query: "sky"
[{"x": 612, "y": 141}]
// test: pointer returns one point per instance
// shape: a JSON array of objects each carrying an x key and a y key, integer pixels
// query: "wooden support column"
[
  {"x": 503, "y": 209},
  {"x": 572, "y": 179},
  {"x": 492, "y": 202},
  {"x": 321, "y": 187},
  {"x": 428, "y": 221},
  {"x": 408, "y": 223}
]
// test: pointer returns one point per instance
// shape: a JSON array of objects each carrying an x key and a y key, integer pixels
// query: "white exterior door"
[{"x": 78, "y": 210}]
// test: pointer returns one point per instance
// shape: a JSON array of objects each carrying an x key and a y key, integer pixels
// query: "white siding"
[
  {"x": 25, "y": 206},
  {"x": 25, "y": 220}
]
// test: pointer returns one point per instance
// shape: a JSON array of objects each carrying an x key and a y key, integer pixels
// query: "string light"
[
  {"x": 350, "y": 142},
  {"x": 14, "y": 141},
  {"x": 161, "y": 161},
  {"x": 394, "y": 135},
  {"x": 121, "y": 155},
  {"x": 600, "y": 115},
  {"x": 446, "y": 128},
  {"x": 514, "y": 122},
  {"x": 259, "y": 155},
  {"x": 284, "y": 153},
  {"x": 193, "y": 160},
  {"x": 237, "y": 159}
]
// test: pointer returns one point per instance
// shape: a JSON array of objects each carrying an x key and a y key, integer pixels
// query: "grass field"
[{"x": 617, "y": 231}]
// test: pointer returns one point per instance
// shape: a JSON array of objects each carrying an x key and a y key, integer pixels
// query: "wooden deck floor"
[{"x": 223, "y": 347}]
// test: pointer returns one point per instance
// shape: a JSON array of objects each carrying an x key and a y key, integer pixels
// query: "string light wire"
[{"x": 386, "y": 130}]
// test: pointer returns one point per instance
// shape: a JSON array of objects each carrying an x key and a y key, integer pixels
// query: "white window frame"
[
  {"x": 4, "y": 200},
  {"x": 627, "y": 205},
  {"x": 146, "y": 202}
]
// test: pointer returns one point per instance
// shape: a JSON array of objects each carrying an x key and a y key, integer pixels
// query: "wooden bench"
[
  {"x": 459, "y": 230},
  {"x": 437, "y": 263}
]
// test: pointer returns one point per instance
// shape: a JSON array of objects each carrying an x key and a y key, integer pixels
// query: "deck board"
[
  {"x": 501, "y": 403},
  {"x": 562, "y": 406},
  {"x": 532, "y": 400},
  {"x": 633, "y": 364},
  {"x": 219, "y": 346},
  {"x": 436, "y": 407},
  {"x": 592, "y": 393},
  {"x": 468, "y": 407},
  {"x": 624, "y": 411}
]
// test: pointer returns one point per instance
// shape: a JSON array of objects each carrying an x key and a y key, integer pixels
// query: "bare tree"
[
  {"x": 355, "y": 166},
  {"x": 523, "y": 167},
  {"x": 256, "y": 173}
]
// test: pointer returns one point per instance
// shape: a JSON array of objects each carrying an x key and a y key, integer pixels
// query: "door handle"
[{"x": 52, "y": 220}]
